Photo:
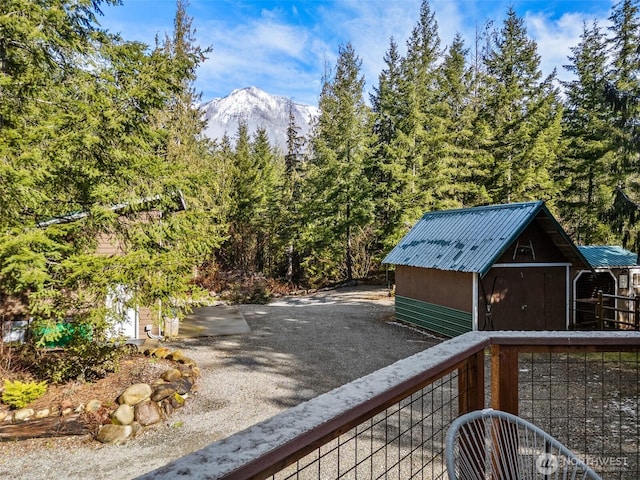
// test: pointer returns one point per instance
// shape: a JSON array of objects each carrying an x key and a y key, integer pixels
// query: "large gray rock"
[
  {"x": 93, "y": 406},
  {"x": 147, "y": 413},
  {"x": 44, "y": 413},
  {"x": 123, "y": 415},
  {"x": 22, "y": 414},
  {"x": 171, "y": 375},
  {"x": 162, "y": 391},
  {"x": 114, "y": 434},
  {"x": 183, "y": 385},
  {"x": 135, "y": 394},
  {"x": 177, "y": 401}
]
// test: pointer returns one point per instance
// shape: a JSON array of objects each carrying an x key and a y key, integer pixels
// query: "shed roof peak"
[{"x": 472, "y": 239}]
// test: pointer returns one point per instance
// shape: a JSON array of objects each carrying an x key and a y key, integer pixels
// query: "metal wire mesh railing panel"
[
  {"x": 588, "y": 401},
  {"x": 392, "y": 424},
  {"x": 404, "y": 441}
]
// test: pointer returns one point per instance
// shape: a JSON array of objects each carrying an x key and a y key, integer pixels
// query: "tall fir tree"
[
  {"x": 420, "y": 131},
  {"x": 295, "y": 141},
  {"x": 40, "y": 46},
  {"x": 253, "y": 189},
  {"x": 624, "y": 84},
  {"x": 388, "y": 169},
  {"x": 523, "y": 113},
  {"x": 462, "y": 160},
  {"x": 290, "y": 197},
  {"x": 623, "y": 96},
  {"x": 192, "y": 171},
  {"x": 338, "y": 207},
  {"x": 270, "y": 169},
  {"x": 239, "y": 245},
  {"x": 585, "y": 171}
]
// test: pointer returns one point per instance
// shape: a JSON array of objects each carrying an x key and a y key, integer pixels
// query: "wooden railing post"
[
  {"x": 636, "y": 312},
  {"x": 504, "y": 378},
  {"x": 470, "y": 398},
  {"x": 471, "y": 384},
  {"x": 600, "y": 311}
]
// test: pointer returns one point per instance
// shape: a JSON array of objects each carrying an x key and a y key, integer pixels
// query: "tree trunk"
[
  {"x": 349, "y": 253},
  {"x": 44, "y": 428},
  {"x": 289, "y": 262}
]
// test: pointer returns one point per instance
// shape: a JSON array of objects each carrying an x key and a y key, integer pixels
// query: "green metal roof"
[
  {"x": 472, "y": 239},
  {"x": 609, "y": 256}
]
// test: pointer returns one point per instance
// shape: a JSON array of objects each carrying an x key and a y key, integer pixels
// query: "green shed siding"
[{"x": 443, "y": 320}]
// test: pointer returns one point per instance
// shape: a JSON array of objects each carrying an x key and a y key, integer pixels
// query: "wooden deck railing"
[
  {"x": 608, "y": 312},
  {"x": 392, "y": 423}
]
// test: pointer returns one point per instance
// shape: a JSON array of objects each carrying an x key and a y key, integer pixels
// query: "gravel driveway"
[{"x": 298, "y": 348}]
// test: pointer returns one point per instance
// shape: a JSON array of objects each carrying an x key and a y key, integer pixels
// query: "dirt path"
[{"x": 298, "y": 348}]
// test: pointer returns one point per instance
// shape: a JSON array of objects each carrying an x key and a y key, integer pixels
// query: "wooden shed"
[{"x": 498, "y": 267}]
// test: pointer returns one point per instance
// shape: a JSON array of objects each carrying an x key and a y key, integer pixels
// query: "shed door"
[{"x": 524, "y": 298}]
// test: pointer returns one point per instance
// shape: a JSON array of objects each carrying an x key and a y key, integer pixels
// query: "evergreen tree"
[
  {"x": 461, "y": 157},
  {"x": 39, "y": 43},
  {"x": 191, "y": 168},
  {"x": 585, "y": 173},
  {"x": 295, "y": 141},
  {"x": 388, "y": 171},
  {"x": 623, "y": 96},
  {"x": 420, "y": 129},
  {"x": 243, "y": 199},
  {"x": 339, "y": 207},
  {"x": 291, "y": 191},
  {"x": 523, "y": 114},
  {"x": 82, "y": 133},
  {"x": 266, "y": 208},
  {"x": 253, "y": 188},
  {"x": 624, "y": 85}
]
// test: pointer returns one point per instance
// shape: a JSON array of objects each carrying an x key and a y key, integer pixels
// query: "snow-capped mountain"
[{"x": 258, "y": 109}]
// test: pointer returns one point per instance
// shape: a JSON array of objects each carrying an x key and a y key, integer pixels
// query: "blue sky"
[{"x": 283, "y": 46}]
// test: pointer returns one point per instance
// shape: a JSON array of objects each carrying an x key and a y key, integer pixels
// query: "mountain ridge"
[{"x": 258, "y": 109}]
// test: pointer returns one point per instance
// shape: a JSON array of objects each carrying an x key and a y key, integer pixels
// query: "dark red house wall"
[{"x": 448, "y": 288}]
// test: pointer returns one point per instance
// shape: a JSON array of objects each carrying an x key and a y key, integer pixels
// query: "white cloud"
[
  {"x": 284, "y": 49},
  {"x": 368, "y": 25},
  {"x": 450, "y": 20},
  {"x": 264, "y": 52},
  {"x": 280, "y": 38},
  {"x": 555, "y": 38}
]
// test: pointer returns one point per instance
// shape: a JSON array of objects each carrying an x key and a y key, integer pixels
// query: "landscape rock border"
[{"x": 138, "y": 406}]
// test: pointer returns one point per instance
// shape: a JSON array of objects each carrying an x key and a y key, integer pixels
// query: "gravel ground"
[{"x": 298, "y": 348}]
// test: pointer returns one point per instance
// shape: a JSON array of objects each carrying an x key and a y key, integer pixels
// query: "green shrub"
[
  {"x": 81, "y": 360},
  {"x": 19, "y": 394}
]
